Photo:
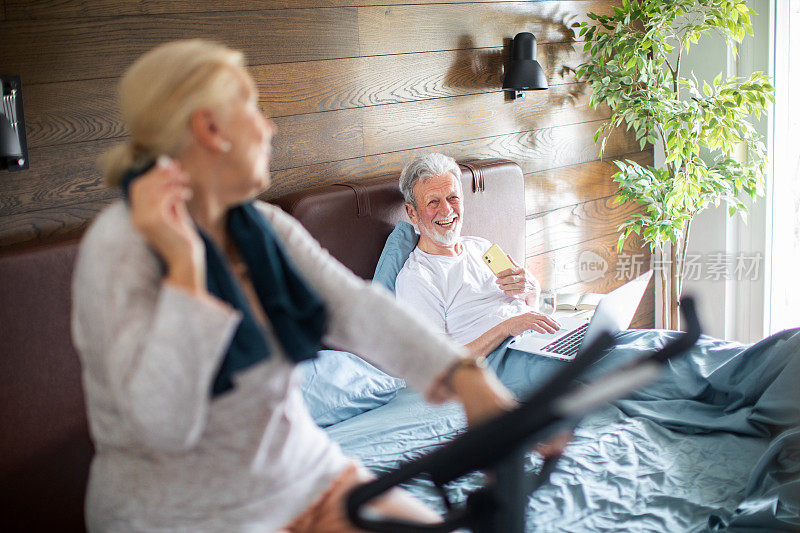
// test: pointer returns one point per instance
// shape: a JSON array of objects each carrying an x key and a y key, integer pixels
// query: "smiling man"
[{"x": 445, "y": 279}]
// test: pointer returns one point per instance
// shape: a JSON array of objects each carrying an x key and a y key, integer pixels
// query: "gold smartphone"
[{"x": 496, "y": 259}]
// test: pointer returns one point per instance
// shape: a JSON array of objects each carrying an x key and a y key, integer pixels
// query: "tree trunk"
[
  {"x": 665, "y": 293},
  {"x": 675, "y": 281}
]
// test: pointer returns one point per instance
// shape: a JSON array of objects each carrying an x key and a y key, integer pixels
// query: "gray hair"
[{"x": 424, "y": 168}]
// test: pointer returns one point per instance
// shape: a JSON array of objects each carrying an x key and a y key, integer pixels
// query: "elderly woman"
[{"x": 192, "y": 304}]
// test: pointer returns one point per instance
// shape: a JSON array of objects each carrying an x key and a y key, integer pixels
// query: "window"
[{"x": 784, "y": 287}]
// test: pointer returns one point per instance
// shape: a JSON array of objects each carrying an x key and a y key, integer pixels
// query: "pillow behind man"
[
  {"x": 339, "y": 385},
  {"x": 399, "y": 245}
]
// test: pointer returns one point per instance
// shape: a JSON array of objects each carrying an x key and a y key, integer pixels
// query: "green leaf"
[{"x": 621, "y": 241}]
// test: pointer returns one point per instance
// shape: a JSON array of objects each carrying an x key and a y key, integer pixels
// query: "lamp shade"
[
  {"x": 9, "y": 140},
  {"x": 524, "y": 73}
]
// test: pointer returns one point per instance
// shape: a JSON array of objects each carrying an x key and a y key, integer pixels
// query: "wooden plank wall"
[{"x": 355, "y": 90}]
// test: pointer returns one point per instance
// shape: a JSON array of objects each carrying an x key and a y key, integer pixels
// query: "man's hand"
[
  {"x": 511, "y": 327},
  {"x": 517, "y": 281},
  {"x": 530, "y": 320}
]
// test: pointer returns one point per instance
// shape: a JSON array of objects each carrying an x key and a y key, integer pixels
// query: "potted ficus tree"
[{"x": 713, "y": 152}]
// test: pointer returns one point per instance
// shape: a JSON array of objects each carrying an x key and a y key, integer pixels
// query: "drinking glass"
[{"x": 547, "y": 301}]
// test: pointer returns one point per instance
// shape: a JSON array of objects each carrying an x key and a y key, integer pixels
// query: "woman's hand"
[
  {"x": 481, "y": 393},
  {"x": 555, "y": 446},
  {"x": 158, "y": 211},
  {"x": 484, "y": 397},
  {"x": 531, "y": 320}
]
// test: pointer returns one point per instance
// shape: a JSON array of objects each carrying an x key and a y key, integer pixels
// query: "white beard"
[{"x": 449, "y": 238}]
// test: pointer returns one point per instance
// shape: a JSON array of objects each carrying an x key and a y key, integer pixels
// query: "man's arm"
[
  {"x": 486, "y": 343},
  {"x": 511, "y": 327}
]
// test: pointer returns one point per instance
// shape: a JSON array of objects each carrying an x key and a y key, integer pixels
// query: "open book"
[{"x": 573, "y": 301}]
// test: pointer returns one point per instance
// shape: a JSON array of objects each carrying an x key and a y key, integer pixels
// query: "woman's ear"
[{"x": 206, "y": 130}]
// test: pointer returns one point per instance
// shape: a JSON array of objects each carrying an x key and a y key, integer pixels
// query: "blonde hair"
[{"x": 159, "y": 93}]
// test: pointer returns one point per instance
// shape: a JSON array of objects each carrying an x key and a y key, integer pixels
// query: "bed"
[{"x": 713, "y": 445}]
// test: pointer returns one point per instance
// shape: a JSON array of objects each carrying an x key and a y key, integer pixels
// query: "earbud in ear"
[{"x": 225, "y": 146}]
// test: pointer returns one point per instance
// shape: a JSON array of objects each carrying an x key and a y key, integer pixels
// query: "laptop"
[{"x": 614, "y": 313}]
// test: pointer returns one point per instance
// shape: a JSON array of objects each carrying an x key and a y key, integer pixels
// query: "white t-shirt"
[{"x": 457, "y": 295}]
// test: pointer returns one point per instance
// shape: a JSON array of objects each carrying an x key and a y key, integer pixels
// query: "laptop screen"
[{"x": 615, "y": 311}]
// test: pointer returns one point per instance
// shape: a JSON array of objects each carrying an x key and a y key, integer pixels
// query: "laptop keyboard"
[{"x": 568, "y": 344}]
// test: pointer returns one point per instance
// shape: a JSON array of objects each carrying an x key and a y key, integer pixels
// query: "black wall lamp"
[
  {"x": 13, "y": 143},
  {"x": 524, "y": 72}
]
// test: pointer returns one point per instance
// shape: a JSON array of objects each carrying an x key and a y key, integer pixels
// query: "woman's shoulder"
[
  {"x": 111, "y": 239},
  {"x": 112, "y": 229},
  {"x": 282, "y": 222},
  {"x": 267, "y": 209},
  {"x": 112, "y": 222},
  {"x": 271, "y": 211}
]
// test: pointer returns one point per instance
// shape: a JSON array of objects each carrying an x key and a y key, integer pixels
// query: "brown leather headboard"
[
  {"x": 353, "y": 220},
  {"x": 44, "y": 445}
]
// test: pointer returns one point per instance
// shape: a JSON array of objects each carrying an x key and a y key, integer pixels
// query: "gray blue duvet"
[{"x": 714, "y": 445}]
